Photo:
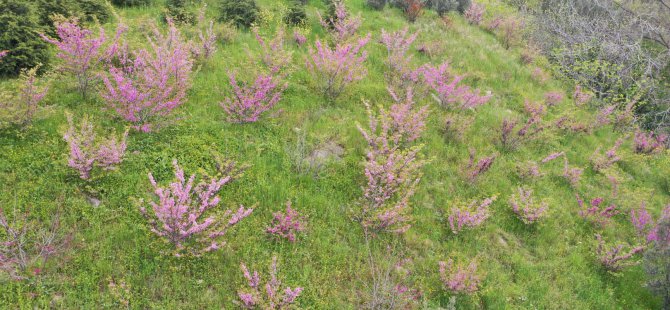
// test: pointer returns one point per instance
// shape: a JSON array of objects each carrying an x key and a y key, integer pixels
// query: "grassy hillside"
[{"x": 550, "y": 265}]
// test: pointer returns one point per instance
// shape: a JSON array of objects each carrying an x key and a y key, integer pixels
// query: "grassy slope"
[{"x": 548, "y": 266}]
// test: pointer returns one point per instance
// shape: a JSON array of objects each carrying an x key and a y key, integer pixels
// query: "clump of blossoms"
[
  {"x": 286, "y": 224},
  {"x": 205, "y": 45},
  {"x": 469, "y": 216},
  {"x": 400, "y": 74},
  {"x": 525, "y": 208},
  {"x": 392, "y": 169},
  {"x": 179, "y": 214},
  {"x": 603, "y": 161},
  {"x": 80, "y": 51},
  {"x": 20, "y": 110},
  {"x": 448, "y": 89},
  {"x": 460, "y": 279},
  {"x": 146, "y": 87},
  {"x": 335, "y": 68},
  {"x": 511, "y": 135},
  {"x": 615, "y": 258},
  {"x": 644, "y": 223},
  {"x": 476, "y": 168},
  {"x": 595, "y": 211},
  {"x": 553, "y": 98},
  {"x": 581, "y": 97},
  {"x": 475, "y": 13},
  {"x": 274, "y": 54},
  {"x": 649, "y": 142},
  {"x": 88, "y": 151},
  {"x": 272, "y": 295},
  {"x": 342, "y": 26},
  {"x": 249, "y": 101}
]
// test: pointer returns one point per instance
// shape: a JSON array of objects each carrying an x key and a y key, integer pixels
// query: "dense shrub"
[
  {"x": 444, "y": 6},
  {"x": 19, "y": 109},
  {"x": 242, "y": 13},
  {"x": 179, "y": 12},
  {"x": 85, "y": 10},
  {"x": 131, "y": 2},
  {"x": 20, "y": 37},
  {"x": 376, "y": 4},
  {"x": 296, "y": 14},
  {"x": 94, "y": 10}
]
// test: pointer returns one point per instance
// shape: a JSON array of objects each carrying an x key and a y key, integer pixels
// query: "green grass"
[{"x": 549, "y": 266}]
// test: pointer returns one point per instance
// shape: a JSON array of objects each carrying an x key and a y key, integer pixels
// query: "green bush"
[
  {"x": 131, "y": 2},
  {"x": 296, "y": 14},
  {"x": 94, "y": 9},
  {"x": 20, "y": 36},
  {"x": 444, "y": 6},
  {"x": 376, "y": 4},
  {"x": 85, "y": 10},
  {"x": 179, "y": 11},
  {"x": 241, "y": 13}
]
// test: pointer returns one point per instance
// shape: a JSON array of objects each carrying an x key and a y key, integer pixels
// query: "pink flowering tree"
[
  {"x": 571, "y": 174},
  {"x": 449, "y": 90},
  {"x": 525, "y": 208},
  {"x": 512, "y": 134},
  {"x": 596, "y": 211},
  {"x": 649, "y": 142},
  {"x": 286, "y": 224},
  {"x": 553, "y": 98},
  {"x": 26, "y": 246},
  {"x": 334, "y": 69},
  {"x": 80, "y": 51},
  {"x": 400, "y": 74},
  {"x": 274, "y": 54},
  {"x": 299, "y": 38},
  {"x": 179, "y": 214},
  {"x": 248, "y": 101},
  {"x": 460, "y": 279},
  {"x": 600, "y": 161},
  {"x": 270, "y": 295},
  {"x": 469, "y": 216},
  {"x": 615, "y": 258},
  {"x": 580, "y": 96},
  {"x": 392, "y": 171},
  {"x": 407, "y": 120},
  {"x": 477, "y": 167},
  {"x": 87, "y": 150},
  {"x": 475, "y": 13},
  {"x": 149, "y": 84},
  {"x": 645, "y": 225},
  {"x": 204, "y": 47},
  {"x": 342, "y": 26},
  {"x": 20, "y": 109}
]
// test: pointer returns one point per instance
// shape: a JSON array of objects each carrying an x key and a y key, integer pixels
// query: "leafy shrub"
[
  {"x": 87, "y": 150},
  {"x": 178, "y": 216},
  {"x": 84, "y": 10},
  {"x": 269, "y": 296},
  {"x": 131, "y": 2},
  {"x": 20, "y": 38},
  {"x": 376, "y": 4},
  {"x": 179, "y": 11},
  {"x": 94, "y": 10},
  {"x": 242, "y": 13},
  {"x": 20, "y": 110},
  {"x": 296, "y": 14}
]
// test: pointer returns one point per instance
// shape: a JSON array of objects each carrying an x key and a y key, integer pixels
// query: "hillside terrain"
[{"x": 308, "y": 150}]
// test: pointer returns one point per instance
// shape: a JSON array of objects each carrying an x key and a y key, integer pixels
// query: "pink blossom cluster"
[
  {"x": 400, "y": 74},
  {"x": 529, "y": 170},
  {"x": 392, "y": 168},
  {"x": 475, "y": 13},
  {"x": 615, "y": 258},
  {"x": 595, "y": 212},
  {"x": 581, "y": 97},
  {"x": 79, "y": 50},
  {"x": 20, "y": 110},
  {"x": 88, "y": 151},
  {"x": 475, "y": 168},
  {"x": 334, "y": 69},
  {"x": 286, "y": 224},
  {"x": 571, "y": 174},
  {"x": 603, "y": 161},
  {"x": 272, "y": 295},
  {"x": 205, "y": 46},
  {"x": 644, "y": 223},
  {"x": 148, "y": 86},
  {"x": 553, "y": 98},
  {"x": 604, "y": 116},
  {"x": 511, "y": 137},
  {"x": 3, "y": 54},
  {"x": 525, "y": 208},
  {"x": 178, "y": 214},
  {"x": 570, "y": 124},
  {"x": 274, "y": 55},
  {"x": 649, "y": 142},
  {"x": 342, "y": 26},
  {"x": 448, "y": 88},
  {"x": 459, "y": 279},
  {"x": 407, "y": 120},
  {"x": 249, "y": 101},
  {"x": 471, "y": 215},
  {"x": 299, "y": 38}
]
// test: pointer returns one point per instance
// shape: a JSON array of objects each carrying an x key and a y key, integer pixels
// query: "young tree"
[{"x": 270, "y": 296}]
